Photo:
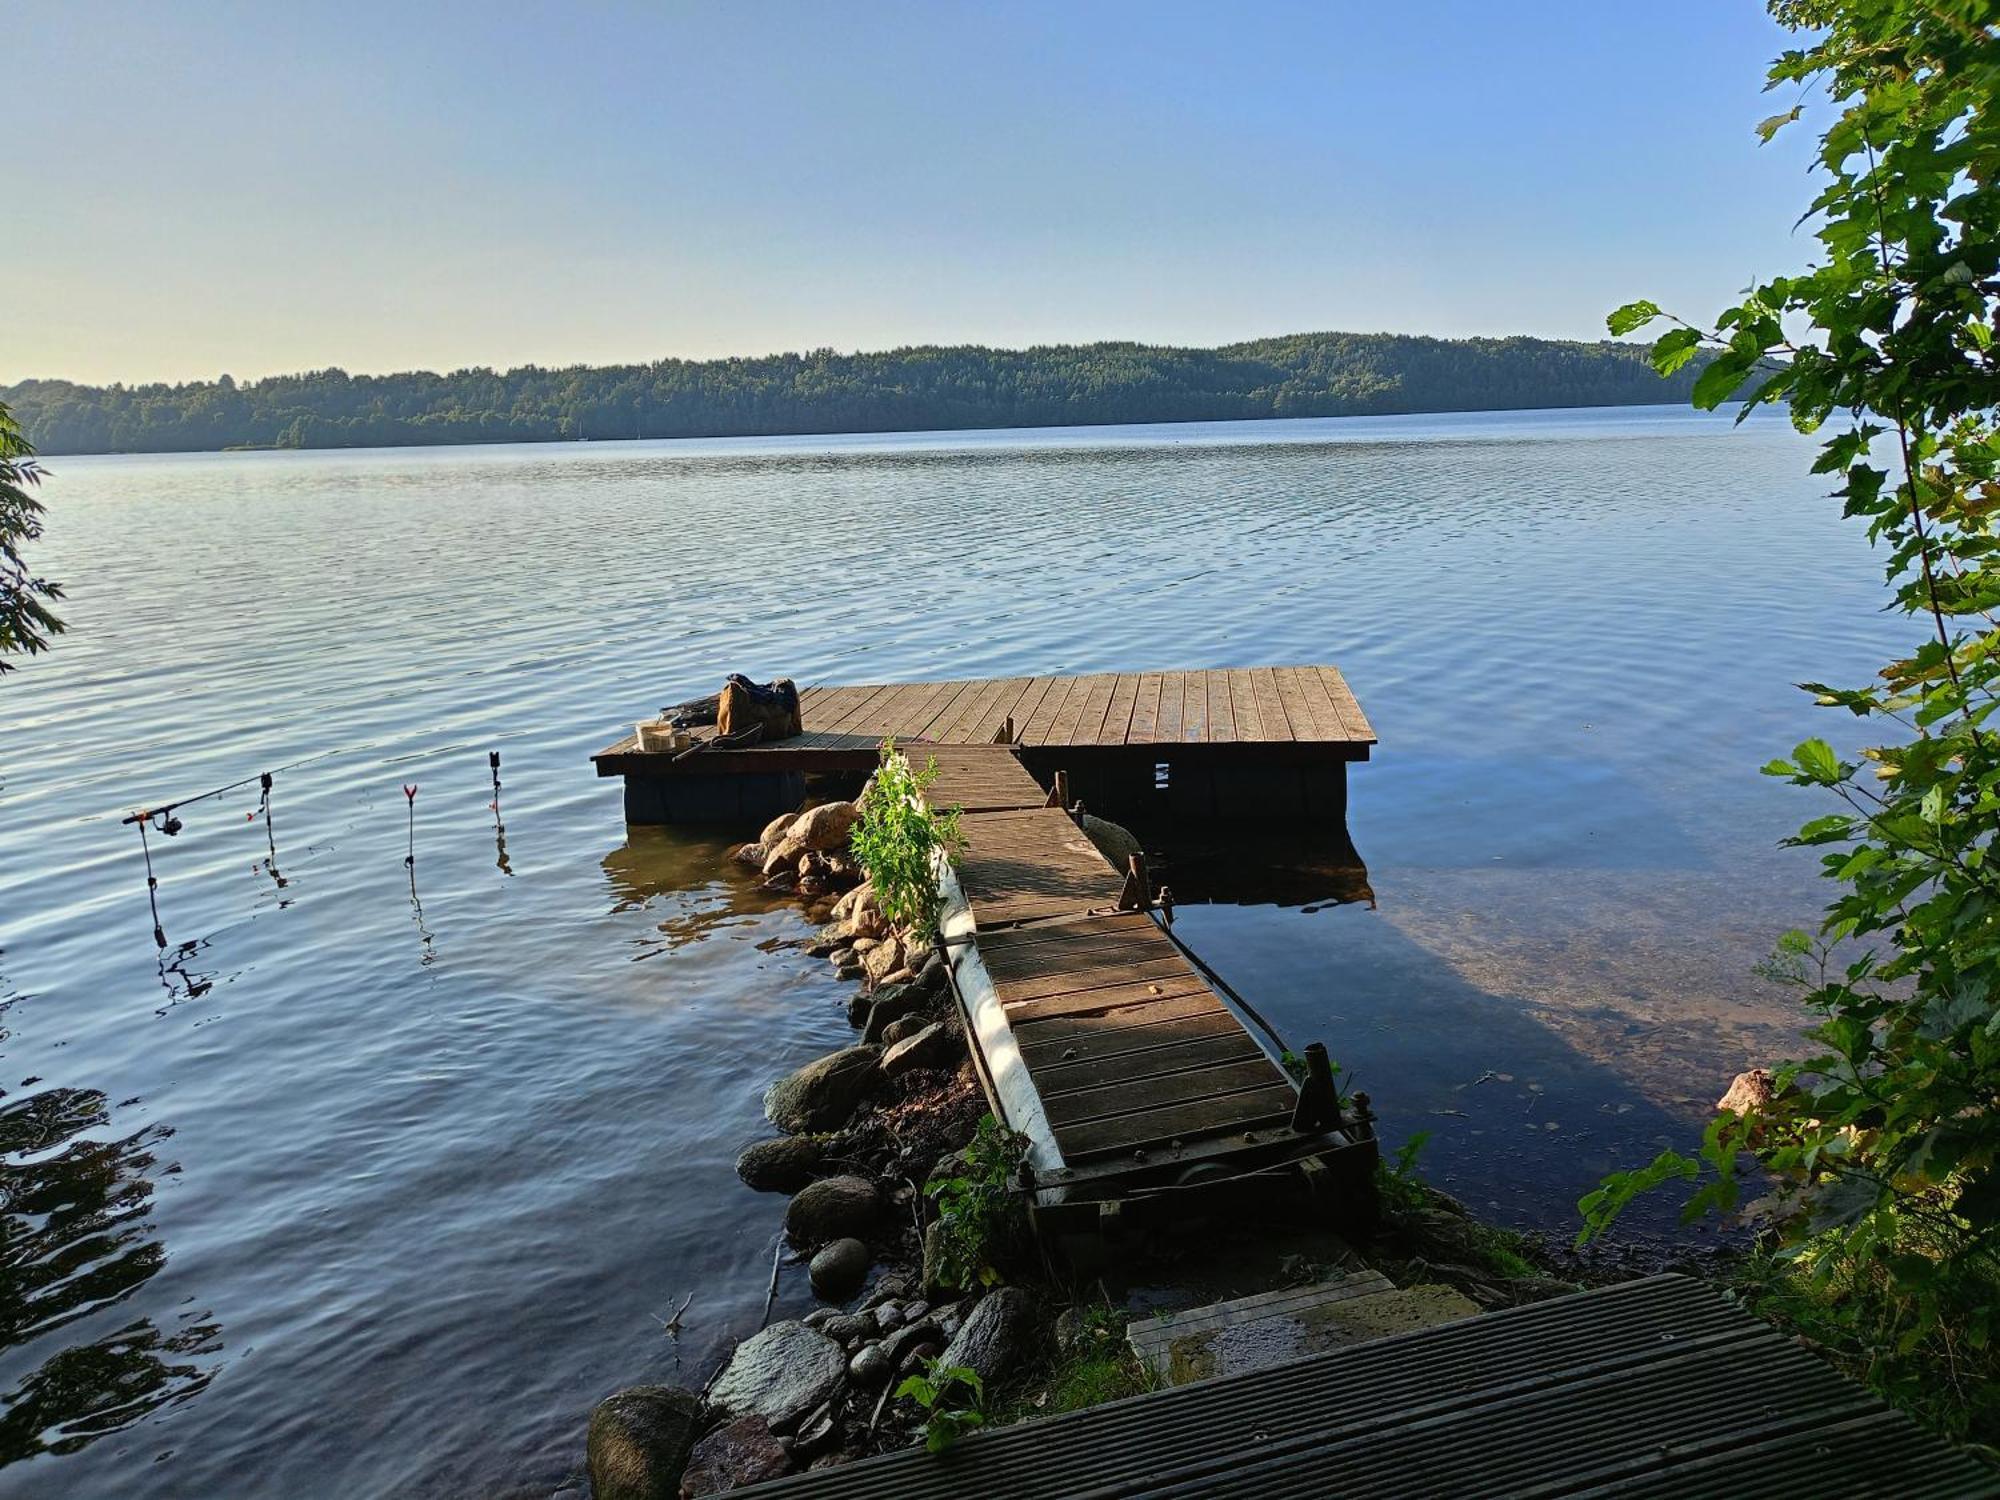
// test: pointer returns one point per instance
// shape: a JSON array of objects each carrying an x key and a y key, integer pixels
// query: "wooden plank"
[
  {"x": 1270, "y": 705},
  {"x": 1095, "y": 704},
  {"x": 1142, "y": 1025},
  {"x": 1056, "y": 932},
  {"x": 1141, "y": 1095},
  {"x": 1081, "y": 955},
  {"x": 1243, "y": 701},
  {"x": 1083, "y": 711},
  {"x": 842, "y": 706},
  {"x": 918, "y": 725},
  {"x": 1130, "y": 1028},
  {"x": 1310, "y": 712},
  {"x": 1031, "y": 701},
  {"x": 1118, "y": 713},
  {"x": 1035, "y": 729},
  {"x": 1167, "y": 727},
  {"x": 1145, "y": 710},
  {"x": 1056, "y": 1078},
  {"x": 1356, "y": 722},
  {"x": 1221, "y": 726},
  {"x": 1253, "y": 1109},
  {"x": 1084, "y": 1000},
  {"x": 1057, "y": 984}
]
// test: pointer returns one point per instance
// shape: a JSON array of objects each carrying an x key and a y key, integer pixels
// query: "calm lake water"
[{"x": 353, "y": 1194}]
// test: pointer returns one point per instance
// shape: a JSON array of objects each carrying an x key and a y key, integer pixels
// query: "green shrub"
[{"x": 898, "y": 839}]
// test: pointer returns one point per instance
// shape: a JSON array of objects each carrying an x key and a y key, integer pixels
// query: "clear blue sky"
[{"x": 201, "y": 187}]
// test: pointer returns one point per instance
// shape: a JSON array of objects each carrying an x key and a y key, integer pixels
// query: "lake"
[{"x": 369, "y": 1185}]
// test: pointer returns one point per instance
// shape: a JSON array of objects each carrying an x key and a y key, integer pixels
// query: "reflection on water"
[
  {"x": 74, "y": 1242},
  {"x": 444, "y": 1152},
  {"x": 1308, "y": 868}
]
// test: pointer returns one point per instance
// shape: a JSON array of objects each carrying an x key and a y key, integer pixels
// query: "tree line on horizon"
[{"x": 913, "y": 389}]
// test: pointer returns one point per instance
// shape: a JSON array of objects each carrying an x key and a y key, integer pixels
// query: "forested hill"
[{"x": 1305, "y": 375}]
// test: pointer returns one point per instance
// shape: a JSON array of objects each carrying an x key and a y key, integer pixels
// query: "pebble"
[
  {"x": 889, "y": 1315},
  {"x": 869, "y": 1365}
]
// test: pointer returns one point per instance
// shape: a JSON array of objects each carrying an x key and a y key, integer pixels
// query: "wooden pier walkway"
[
  {"x": 1271, "y": 740},
  {"x": 1096, "y": 1036},
  {"x": 1650, "y": 1390}
]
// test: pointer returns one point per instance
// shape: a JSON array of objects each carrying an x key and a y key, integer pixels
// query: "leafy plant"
[
  {"x": 898, "y": 841},
  {"x": 952, "y": 1399},
  {"x": 1396, "y": 1181},
  {"x": 26, "y": 621},
  {"x": 1884, "y": 1143},
  {"x": 979, "y": 1213}
]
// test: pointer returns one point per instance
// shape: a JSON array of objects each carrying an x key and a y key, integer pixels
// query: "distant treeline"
[{"x": 1304, "y": 375}]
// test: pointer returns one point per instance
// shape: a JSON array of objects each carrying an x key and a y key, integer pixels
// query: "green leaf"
[
  {"x": 1718, "y": 382},
  {"x": 1674, "y": 348},
  {"x": 1632, "y": 315}
]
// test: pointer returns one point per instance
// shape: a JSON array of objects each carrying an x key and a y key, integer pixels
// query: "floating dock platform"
[{"x": 1237, "y": 742}]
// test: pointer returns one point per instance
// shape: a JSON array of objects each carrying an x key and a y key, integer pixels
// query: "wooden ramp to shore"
[
  {"x": 1650, "y": 1390},
  {"x": 1220, "y": 742},
  {"x": 1096, "y": 1036}
]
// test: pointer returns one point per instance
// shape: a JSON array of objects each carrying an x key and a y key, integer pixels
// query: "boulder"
[
  {"x": 639, "y": 1442},
  {"x": 831, "y": 1209},
  {"x": 896, "y": 1346},
  {"x": 753, "y": 855},
  {"x": 842, "y": 1327},
  {"x": 824, "y": 829},
  {"x": 895, "y": 1031},
  {"x": 822, "y": 1095},
  {"x": 774, "y": 831},
  {"x": 858, "y": 1005},
  {"x": 781, "y": 858},
  {"x": 783, "y": 1165},
  {"x": 779, "y": 1375},
  {"x": 846, "y": 906},
  {"x": 882, "y": 960},
  {"x": 838, "y": 1270},
  {"x": 892, "y": 1003},
  {"x": 936, "y": 1046},
  {"x": 743, "y": 1453},
  {"x": 995, "y": 1334},
  {"x": 1751, "y": 1091},
  {"x": 1113, "y": 842},
  {"x": 826, "y": 944}
]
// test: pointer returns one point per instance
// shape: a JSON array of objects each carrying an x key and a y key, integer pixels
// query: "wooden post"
[
  {"x": 1005, "y": 736},
  {"x": 1319, "y": 1103},
  {"x": 1167, "y": 904},
  {"x": 1138, "y": 892},
  {"x": 1059, "y": 793}
]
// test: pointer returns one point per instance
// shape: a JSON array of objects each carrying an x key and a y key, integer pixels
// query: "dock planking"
[
  {"x": 1302, "y": 709},
  {"x": 1128, "y": 1047}
]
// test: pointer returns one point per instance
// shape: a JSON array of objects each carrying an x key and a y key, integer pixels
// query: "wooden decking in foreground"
[
  {"x": 1095, "y": 1035},
  {"x": 1649, "y": 1390}
]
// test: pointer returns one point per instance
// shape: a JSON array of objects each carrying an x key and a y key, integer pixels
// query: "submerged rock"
[
  {"x": 783, "y": 1165},
  {"x": 833, "y": 1208},
  {"x": 639, "y": 1442},
  {"x": 1749, "y": 1092},
  {"x": 779, "y": 1375},
  {"x": 838, "y": 1270},
  {"x": 995, "y": 1334},
  {"x": 822, "y": 1095},
  {"x": 743, "y": 1453}
]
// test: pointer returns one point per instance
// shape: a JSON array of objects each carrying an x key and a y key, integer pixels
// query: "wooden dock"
[
  {"x": 1131, "y": 1075},
  {"x": 1200, "y": 743},
  {"x": 1654, "y": 1388}
]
